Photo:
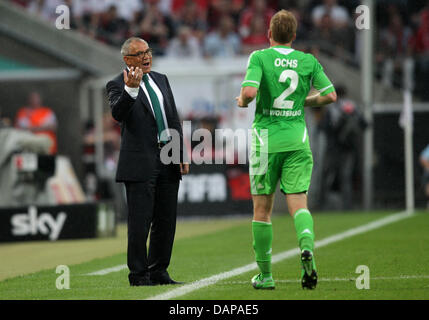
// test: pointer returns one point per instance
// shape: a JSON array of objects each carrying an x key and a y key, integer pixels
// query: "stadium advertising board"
[
  {"x": 217, "y": 189},
  {"x": 55, "y": 222}
]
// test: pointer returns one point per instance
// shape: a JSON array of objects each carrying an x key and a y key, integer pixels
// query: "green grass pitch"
[{"x": 396, "y": 254}]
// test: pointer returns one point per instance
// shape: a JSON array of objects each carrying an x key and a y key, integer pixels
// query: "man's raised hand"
[{"x": 133, "y": 78}]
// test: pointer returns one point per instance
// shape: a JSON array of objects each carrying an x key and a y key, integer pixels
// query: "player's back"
[{"x": 284, "y": 77}]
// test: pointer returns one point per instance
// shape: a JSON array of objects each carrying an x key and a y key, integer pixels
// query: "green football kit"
[
  {"x": 284, "y": 77},
  {"x": 280, "y": 147}
]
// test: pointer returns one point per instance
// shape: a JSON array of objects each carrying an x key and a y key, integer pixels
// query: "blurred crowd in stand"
[
  {"x": 403, "y": 32},
  {"x": 203, "y": 28},
  {"x": 225, "y": 28}
]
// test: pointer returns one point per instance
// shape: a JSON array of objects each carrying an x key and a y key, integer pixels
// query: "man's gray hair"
[{"x": 125, "y": 49}]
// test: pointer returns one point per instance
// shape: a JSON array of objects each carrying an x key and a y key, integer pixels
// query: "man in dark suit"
[{"x": 142, "y": 101}]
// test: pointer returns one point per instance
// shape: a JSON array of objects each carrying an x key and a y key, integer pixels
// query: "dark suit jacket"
[{"x": 139, "y": 152}]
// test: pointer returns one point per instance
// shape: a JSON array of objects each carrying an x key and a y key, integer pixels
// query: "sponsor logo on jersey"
[{"x": 282, "y": 113}]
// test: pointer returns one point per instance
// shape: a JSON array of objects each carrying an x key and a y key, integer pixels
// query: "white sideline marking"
[
  {"x": 180, "y": 291},
  {"x": 403, "y": 277},
  {"x": 102, "y": 272}
]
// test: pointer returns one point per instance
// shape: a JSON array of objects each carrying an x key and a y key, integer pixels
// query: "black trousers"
[{"x": 152, "y": 207}]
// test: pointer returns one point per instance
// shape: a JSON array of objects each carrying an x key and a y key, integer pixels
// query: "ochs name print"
[{"x": 286, "y": 63}]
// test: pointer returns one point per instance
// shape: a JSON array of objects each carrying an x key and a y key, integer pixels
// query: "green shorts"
[{"x": 292, "y": 168}]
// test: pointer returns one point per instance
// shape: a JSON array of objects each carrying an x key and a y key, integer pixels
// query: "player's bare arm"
[
  {"x": 247, "y": 94},
  {"x": 317, "y": 100}
]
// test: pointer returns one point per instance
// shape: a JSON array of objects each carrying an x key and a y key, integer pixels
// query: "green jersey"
[{"x": 284, "y": 77}]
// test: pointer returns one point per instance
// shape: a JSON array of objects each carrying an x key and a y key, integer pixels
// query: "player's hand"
[
  {"x": 240, "y": 102},
  {"x": 184, "y": 168},
  {"x": 133, "y": 78}
]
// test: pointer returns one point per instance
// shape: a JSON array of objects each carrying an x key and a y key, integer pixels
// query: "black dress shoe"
[
  {"x": 162, "y": 278},
  {"x": 140, "y": 281}
]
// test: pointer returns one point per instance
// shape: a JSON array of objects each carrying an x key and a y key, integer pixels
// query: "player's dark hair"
[{"x": 283, "y": 26}]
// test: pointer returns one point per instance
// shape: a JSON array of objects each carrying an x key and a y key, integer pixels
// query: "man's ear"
[{"x": 269, "y": 34}]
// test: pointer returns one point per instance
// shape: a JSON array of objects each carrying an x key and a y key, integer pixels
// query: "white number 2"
[{"x": 280, "y": 102}]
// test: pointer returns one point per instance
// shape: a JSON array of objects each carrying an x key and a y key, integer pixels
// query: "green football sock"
[
  {"x": 304, "y": 229},
  {"x": 262, "y": 241}
]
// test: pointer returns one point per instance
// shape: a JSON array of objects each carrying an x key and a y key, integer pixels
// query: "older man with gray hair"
[{"x": 141, "y": 100}]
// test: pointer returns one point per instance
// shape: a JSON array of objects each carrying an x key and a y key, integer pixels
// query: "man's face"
[
  {"x": 34, "y": 100},
  {"x": 139, "y": 56}
]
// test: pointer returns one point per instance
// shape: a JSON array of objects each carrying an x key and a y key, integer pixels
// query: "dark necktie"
[{"x": 156, "y": 108}]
